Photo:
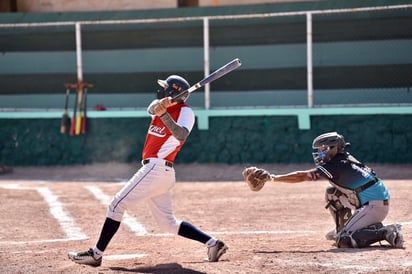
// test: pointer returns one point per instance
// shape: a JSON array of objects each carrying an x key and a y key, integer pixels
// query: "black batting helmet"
[{"x": 173, "y": 86}]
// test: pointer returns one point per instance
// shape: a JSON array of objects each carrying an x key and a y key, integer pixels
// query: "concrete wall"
[
  {"x": 110, "y": 5},
  {"x": 91, "y": 5}
]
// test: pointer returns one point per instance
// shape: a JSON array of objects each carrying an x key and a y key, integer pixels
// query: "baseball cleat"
[
  {"x": 331, "y": 235},
  {"x": 85, "y": 257},
  {"x": 216, "y": 251},
  {"x": 394, "y": 235}
]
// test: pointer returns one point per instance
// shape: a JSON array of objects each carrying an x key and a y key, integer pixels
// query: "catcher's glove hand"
[{"x": 256, "y": 177}]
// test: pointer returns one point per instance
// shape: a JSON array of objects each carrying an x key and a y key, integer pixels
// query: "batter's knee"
[
  {"x": 170, "y": 225},
  {"x": 115, "y": 211}
]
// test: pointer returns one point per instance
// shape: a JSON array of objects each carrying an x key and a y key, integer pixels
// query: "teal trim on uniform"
[{"x": 303, "y": 114}]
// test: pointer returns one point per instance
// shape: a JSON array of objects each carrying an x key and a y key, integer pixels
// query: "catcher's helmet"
[
  {"x": 172, "y": 86},
  {"x": 327, "y": 145}
]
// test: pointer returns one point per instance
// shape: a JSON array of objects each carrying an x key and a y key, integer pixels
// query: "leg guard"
[
  {"x": 345, "y": 240},
  {"x": 339, "y": 212},
  {"x": 363, "y": 237}
]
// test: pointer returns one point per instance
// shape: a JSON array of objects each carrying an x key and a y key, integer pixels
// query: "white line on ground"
[
  {"x": 114, "y": 257},
  {"x": 301, "y": 232},
  {"x": 12, "y": 186},
  {"x": 296, "y": 232},
  {"x": 131, "y": 222},
  {"x": 66, "y": 222},
  {"x": 40, "y": 241},
  {"x": 358, "y": 268},
  {"x": 123, "y": 256},
  {"x": 56, "y": 208},
  {"x": 406, "y": 223}
]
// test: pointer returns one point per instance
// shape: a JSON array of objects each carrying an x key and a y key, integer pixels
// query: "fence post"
[
  {"x": 206, "y": 59},
  {"x": 309, "y": 65}
]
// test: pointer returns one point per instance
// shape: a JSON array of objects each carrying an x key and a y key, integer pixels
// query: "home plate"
[{"x": 124, "y": 256}]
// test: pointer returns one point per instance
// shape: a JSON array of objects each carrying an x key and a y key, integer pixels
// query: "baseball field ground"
[{"x": 280, "y": 229}]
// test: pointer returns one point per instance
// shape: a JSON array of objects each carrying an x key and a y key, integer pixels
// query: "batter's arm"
[
  {"x": 297, "y": 176},
  {"x": 179, "y": 132},
  {"x": 150, "y": 108}
]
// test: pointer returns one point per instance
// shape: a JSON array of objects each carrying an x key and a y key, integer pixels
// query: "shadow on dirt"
[{"x": 172, "y": 268}]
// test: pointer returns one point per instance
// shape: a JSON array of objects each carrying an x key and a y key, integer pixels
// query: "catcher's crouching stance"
[{"x": 357, "y": 199}]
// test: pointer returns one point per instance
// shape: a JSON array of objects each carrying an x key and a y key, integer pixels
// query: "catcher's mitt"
[{"x": 256, "y": 177}]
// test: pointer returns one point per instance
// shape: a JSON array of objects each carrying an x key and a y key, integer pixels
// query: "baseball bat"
[
  {"x": 232, "y": 65},
  {"x": 73, "y": 124},
  {"x": 80, "y": 114},
  {"x": 84, "y": 124},
  {"x": 65, "y": 117}
]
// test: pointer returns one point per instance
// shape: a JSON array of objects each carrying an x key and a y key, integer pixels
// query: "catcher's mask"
[
  {"x": 326, "y": 146},
  {"x": 172, "y": 86}
]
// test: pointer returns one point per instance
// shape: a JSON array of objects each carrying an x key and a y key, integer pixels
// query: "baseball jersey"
[
  {"x": 160, "y": 143},
  {"x": 345, "y": 171}
]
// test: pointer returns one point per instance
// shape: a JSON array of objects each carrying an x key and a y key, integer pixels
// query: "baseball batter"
[
  {"x": 170, "y": 126},
  {"x": 357, "y": 198}
]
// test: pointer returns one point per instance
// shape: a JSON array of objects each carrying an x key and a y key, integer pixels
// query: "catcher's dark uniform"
[
  {"x": 355, "y": 188},
  {"x": 344, "y": 171}
]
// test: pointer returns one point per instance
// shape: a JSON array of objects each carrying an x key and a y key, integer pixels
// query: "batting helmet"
[
  {"x": 173, "y": 86},
  {"x": 326, "y": 146}
]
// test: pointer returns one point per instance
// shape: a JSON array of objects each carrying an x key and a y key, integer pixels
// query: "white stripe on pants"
[{"x": 153, "y": 183}]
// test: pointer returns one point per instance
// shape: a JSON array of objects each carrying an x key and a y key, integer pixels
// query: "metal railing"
[
  {"x": 203, "y": 115},
  {"x": 206, "y": 46}
]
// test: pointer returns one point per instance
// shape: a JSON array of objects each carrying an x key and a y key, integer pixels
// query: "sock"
[
  {"x": 97, "y": 253},
  {"x": 110, "y": 228},
  {"x": 211, "y": 242},
  {"x": 187, "y": 230}
]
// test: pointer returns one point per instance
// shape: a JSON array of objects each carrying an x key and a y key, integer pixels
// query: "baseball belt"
[{"x": 167, "y": 163}]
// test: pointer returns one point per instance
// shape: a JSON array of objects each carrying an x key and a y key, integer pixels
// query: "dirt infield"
[{"x": 280, "y": 229}]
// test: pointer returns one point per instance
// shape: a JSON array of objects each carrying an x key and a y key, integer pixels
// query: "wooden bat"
[
  {"x": 80, "y": 114},
  {"x": 65, "y": 117},
  {"x": 232, "y": 65},
  {"x": 73, "y": 124},
  {"x": 84, "y": 124}
]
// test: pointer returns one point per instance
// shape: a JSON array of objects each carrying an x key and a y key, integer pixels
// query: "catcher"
[{"x": 357, "y": 199}]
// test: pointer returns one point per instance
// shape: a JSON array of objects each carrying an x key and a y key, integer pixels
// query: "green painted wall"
[
  {"x": 265, "y": 139},
  {"x": 358, "y": 58}
]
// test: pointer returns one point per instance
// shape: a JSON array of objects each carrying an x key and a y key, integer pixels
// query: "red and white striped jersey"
[{"x": 160, "y": 142}]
